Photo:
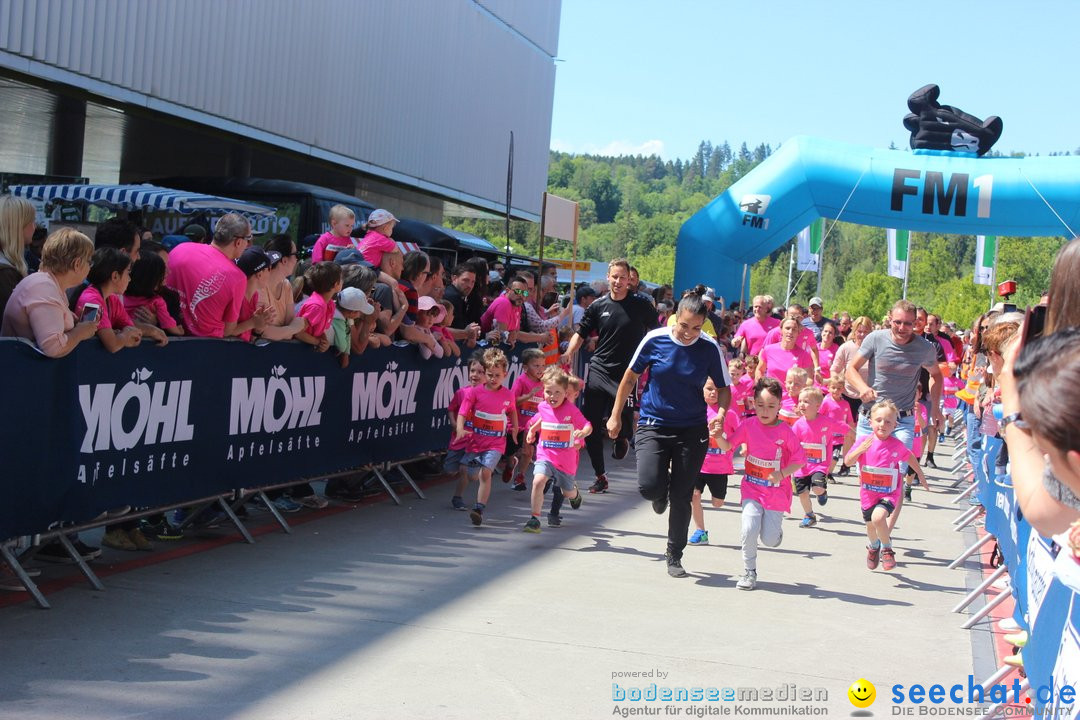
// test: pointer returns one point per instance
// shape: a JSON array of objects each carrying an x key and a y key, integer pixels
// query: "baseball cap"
[
  {"x": 816, "y": 301},
  {"x": 348, "y": 257},
  {"x": 709, "y": 295},
  {"x": 427, "y": 302},
  {"x": 354, "y": 299},
  {"x": 253, "y": 260}
]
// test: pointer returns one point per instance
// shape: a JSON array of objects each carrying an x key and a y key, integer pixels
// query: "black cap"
[{"x": 253, "y": 260}]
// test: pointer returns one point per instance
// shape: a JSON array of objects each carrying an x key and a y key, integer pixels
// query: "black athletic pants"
[
  {"x": 599, "y": 397},
  {"x": 669, "y": 463}
]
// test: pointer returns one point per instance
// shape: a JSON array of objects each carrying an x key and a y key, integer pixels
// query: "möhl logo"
[
  {"x": 269, "y": 405},
  {"x": 139, "y": 411},
  {"x": 380, "y": 395}
]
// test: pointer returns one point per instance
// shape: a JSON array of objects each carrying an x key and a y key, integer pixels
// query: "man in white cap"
[{"x": 817, "y": 318}]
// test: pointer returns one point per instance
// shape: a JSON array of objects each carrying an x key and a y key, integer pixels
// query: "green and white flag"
[
  {"x": 898, "y": 252},
  {"x": 809, "y": 242},
  {"x": 985, "y": 257}
]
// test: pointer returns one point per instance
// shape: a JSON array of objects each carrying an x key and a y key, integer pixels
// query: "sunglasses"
[{"x": 522, "y": 293}]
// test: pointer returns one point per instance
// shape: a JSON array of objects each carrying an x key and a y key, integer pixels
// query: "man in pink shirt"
[
  {"x": 210, "y": 286},
  {"x": 504, "y": 313},
  {"x": 750, "y": 337}
]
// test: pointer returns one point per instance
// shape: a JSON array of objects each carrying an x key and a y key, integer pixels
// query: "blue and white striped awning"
[{"x": 139, "y": 197}]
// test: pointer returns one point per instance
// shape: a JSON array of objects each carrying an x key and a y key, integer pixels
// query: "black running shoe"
[
  {"x": 619, "y": 448},
  {"x": 600, "y": 486}
]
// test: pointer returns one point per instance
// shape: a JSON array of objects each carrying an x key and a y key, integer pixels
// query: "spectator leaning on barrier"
[
  {"x": 210, "y": 286},
  {"x": 365, "y": 332},
  {"x": 38, "y": 307},
  {"x": 16, "y": 231},
  {"x": 317, "y": 311},
  {"x": 110, "y": 273},
  {"x": 275, "y": 290}
]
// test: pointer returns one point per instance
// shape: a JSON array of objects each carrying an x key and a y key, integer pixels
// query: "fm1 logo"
[
  {"x": 754, "y": 207},
  {"x": 941, "y": 194}
]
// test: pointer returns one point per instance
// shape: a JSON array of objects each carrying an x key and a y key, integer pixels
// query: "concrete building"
[{"x": 407, "y": 104}]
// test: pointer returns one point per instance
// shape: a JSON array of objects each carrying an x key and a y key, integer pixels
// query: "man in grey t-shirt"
[{"x": 896, "y": 355}]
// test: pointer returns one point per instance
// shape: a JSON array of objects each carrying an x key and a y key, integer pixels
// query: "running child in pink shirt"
[
  {"x": 837, "y": 407},
  {"x": 717, "y": 464},
  {"x": 455, "y": 454},
  {"x": 317, "y": 311},
  {"x": 574, "y": 389},
  {"x": 816, "y": 432},
  {"x": 528, "y": 389},
  {"x": 921, "y": 424},
  {"x": 561, "y": 429},
  {"x": 773, "y": 453},
  {"x": 797, "y": 378},
  {"x": 880, "y": 456},
  {"x": 491, "y": 409},
  {"x": 742, "y": 387}
]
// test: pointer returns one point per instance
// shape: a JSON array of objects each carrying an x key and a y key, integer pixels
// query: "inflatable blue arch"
[{"x": 926, "y": 190}]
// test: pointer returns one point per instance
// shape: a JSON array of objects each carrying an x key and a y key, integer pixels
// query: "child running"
[
  {"x": 742, "y": 387},
  {"x": 816, "y": 432},
  {"x": 717, "y": 464},
  {"x": 797, "y": 378},
  {"x": 561, "y": 428},
  {"x": 835, "y": 406},
  {"x": 921, "y": 423},
  {"x": 455, "y": 454},
  {"x": 879, "y": 480},
  {"x": 488, "y": 406},
  {"x": 773, "y": 453},
  {"x": 573, "y": 391},
  {"x": 527, "y": 390}
]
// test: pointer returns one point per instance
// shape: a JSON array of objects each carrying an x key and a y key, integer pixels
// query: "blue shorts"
[
  {"x": 543, "y": 468},
  {"x": 476, "y": 460},
  {"x": 452, "y": 461}
]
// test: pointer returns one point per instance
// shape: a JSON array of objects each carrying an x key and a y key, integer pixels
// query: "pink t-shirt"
[
  {"x": 920, "y": 425},
  {"x": 839, "y": 411},
  {"x": 247, "y": 311},
  {"x": 755, "y": 332},
  {"x": 113, "y": 315},
  {"x": 503, "y": 311},
  {"x": 157, "y": 305},
  {"x": 489, "y": 411},
  {"x": 948, "y": 392},
  {"x": 374, "y": 245},
  {"x": 825, "y": 357},
  {"x": 329, "y": 245},
  {"x": 455, "y": 408},
  {"x": 742, "y": 394},
  {"x": 555, "y": 442},
  {"x": 879, "y": 470},
  {"x": 718, "y": 462},
  {"x": 210, "y": 286},
  {"x": 527, "y": 411},
  {"x": 789, "y": 409},
  {"x": 768, "y": 448},
  {"x": 817, "y": 437},
  {"x": 778, "y": 361},
  {"x": 805, "y": 338},
  {"x": 319, "y": 313}
]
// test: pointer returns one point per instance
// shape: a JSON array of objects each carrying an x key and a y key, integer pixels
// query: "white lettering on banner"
[
  {"x": 450, "y": 381},
  {"x": 261, "y": 405},
  {"x": 380, "y": 395},
  {"x": 162, "y": 413}
]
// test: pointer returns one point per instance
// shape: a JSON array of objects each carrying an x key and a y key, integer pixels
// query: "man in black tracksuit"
[{"x": 621, "y": 320}]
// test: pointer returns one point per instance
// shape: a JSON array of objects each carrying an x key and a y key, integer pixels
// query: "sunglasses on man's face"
[{"x": 522, "y": 293}]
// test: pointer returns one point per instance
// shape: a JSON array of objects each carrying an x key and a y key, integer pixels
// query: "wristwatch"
[{"x": 1013, "y": 418}]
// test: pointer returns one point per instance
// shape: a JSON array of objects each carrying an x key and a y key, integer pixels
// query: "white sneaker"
[{"x": 748, "y": 581}]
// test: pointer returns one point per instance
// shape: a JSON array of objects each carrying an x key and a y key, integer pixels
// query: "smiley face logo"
[{"x": 862, "y": 693}]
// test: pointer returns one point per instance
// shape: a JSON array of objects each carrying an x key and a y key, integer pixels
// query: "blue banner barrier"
[{"x": 152, "y": 426}]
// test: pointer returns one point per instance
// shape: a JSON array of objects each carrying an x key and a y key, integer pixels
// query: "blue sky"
[{"x": 661, "y": 76}]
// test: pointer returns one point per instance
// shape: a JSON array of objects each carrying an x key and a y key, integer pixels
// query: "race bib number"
[
  {"x": 530, "y": 407},
  {"x": 489, "y": 424},
  {"x": 556, "y": 436},
  {"x": 789, "y": 416},
  {"x": 758, "y": 470},
  {"x": 714, "y": 449},
  {"x": 815, "y": 452},
  {"x": 879, "y": 480}
]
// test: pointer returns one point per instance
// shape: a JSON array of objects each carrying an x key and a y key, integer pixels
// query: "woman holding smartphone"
[{"x": 38, "y": 308}]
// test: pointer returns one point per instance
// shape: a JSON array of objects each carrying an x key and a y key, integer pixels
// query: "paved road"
[{"x": 410, "y": 612}]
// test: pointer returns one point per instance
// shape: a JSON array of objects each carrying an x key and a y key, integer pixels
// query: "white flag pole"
[{"x": 907, "y": 263}]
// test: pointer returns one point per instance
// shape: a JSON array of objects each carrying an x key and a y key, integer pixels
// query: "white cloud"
[{"x": 615, "y": 148}]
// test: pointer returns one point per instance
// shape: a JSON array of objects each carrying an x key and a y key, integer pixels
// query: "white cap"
[
  {"x": 354, "y": 299},
  {"x": 380, "y": 217}
]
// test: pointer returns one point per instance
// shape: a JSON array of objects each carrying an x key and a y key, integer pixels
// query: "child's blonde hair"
[
  {"x": 736, "y": 364},
  {"x": 798, "y": 374},
  {"x": 576, "y": 382},
  {"x": 340, "y": 212},
  {"x": 835, "y": 381},
  {"x": 556, "y": 375},
  {"x": 885, "y": 404},
  {"x": 812, "y": 393},
  {"x": 494, "y": 357}
]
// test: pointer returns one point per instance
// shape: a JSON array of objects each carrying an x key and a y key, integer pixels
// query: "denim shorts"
[
  {"x": 452, "y": 461},
  {"x": 544, "y": 468},
  {"x": 475, "y": 460}
]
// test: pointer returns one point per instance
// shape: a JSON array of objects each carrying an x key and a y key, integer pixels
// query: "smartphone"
[
  {"x": 90, "y": 312},
  {"x": 564, "y": 300},
  {"x": 1034, "y": 323}
]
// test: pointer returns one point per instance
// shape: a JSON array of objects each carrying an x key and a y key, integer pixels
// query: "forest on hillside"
[{"x": 633, "y": 206}]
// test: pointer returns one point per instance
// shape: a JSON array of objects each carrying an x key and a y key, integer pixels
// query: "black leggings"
[
  {"x": 599, "y": 397},
  {"x": 669, "y": 464}
]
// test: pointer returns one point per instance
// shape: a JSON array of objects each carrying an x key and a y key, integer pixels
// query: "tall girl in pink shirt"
[
  {"x": 773, "y": 453},
  {"x": 717, "y": 466}
]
